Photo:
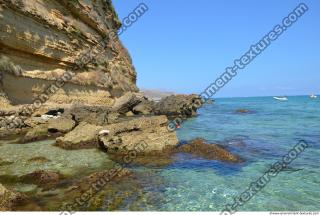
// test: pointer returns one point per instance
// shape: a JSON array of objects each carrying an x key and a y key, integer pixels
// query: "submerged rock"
[
  {"x": 160, "y": 159},
  {"x": 165, "y": 157},
  {"x": 5, "y": 162},
  {"x": 9, "y": 199},
  {"x": 198, "y": 147},
  {"x": 42, "y": 178},
  {"x": 107, "y": 183},
  {"x": 243, "y": 111},
  {"x": 39, "y": 160}
]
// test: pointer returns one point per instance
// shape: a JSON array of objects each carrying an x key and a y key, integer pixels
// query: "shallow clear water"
[
  {"x": 73, "y": 164},
  {"x": 261, "y": 138}
]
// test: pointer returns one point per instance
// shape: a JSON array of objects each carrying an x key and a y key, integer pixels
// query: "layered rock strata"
[{"x": 41, "y": 40}]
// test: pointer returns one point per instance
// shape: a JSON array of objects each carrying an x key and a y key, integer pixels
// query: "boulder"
[
  {"x": 83, "y": 136},
  {"x": 182, "y": 106},
  {"x": 42, "y": 129},
  {"x": 97, "y": 115},
  {"x": 6, "y": 134},
  {"x": 39, "y": 132},
  {"x": 140, "y": 134},
  {"x": 144, "y": 108},
  {"x": 126, "y": 102},
  {"x": 35, "y": 121},
  {"x": 9, "y": 199},
  {"x": 61, "y": 124}
]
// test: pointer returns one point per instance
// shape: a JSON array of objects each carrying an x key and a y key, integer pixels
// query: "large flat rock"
[{"x": 141, "y": 134}]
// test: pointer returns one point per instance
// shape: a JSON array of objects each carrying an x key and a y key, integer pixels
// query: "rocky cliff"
[{"x": 41, "y": 40}]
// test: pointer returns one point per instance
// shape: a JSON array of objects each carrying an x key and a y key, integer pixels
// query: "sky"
[{"x": 184, "y": 46}]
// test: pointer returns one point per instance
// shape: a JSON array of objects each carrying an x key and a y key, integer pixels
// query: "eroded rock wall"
[{"x": 42, "y": 39}]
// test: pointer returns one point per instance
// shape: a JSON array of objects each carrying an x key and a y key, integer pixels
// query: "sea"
[{"x": 261, "y": 137}]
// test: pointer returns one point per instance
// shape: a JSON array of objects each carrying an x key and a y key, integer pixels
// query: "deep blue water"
[{"x": 261, "y": 138}]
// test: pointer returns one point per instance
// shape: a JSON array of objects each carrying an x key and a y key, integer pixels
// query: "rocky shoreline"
[
  {"x": 111, "y": 130},
  {"x": 65, "y": 76}
]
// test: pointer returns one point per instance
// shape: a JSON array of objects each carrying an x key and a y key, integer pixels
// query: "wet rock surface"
[
  {"x": 38, "y": 132},
  {"x": 200, "y": 148},
  {"x": 5, "y": 162},
  {"x": 9, "y": 199},
  {"x": 162, "y": 158},
  {"x": 39, "y": 160},
  {"x": 126, "y": 188},
  {"x": 43, "y": 178}
]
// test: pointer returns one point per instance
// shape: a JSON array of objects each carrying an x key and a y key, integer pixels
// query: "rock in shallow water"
[
  {"x": 198, "y": 147},
  {"x": 141, "y": 134},
  {"x": 182, "y": 106},
  {"x": 9, "y": 199},
  {"x": 83, "y": 136},
  {"x": 165, "y": 157},
  {"x": 5, "y": 162},
  {"x": 39, "y": 132},
  {"x": 243, "y": 111},
  {"x": 61, "y": 124},
  {"x": 39, "y": 160},
  {"x": 41, "y": 177}
]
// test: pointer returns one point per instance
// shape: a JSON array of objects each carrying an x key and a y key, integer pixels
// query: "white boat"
[
  {"x": 283, "y": 98},
  {"x": 313, "y": 96}
]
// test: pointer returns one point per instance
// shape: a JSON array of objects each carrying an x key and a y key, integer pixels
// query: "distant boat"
[
  {"x": 313, "y": 96},
  {"x": 282, "y": 98}
]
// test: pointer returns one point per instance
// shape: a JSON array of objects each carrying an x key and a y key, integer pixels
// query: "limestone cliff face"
[{"x": 42, "y": 39}]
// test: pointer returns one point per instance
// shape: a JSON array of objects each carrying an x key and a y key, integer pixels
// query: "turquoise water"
[{"x": 261, "y": 137}]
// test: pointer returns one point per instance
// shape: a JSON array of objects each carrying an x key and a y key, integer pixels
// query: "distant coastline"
[{"x": 155, "y": 94}]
